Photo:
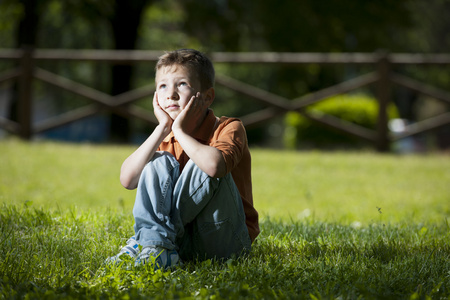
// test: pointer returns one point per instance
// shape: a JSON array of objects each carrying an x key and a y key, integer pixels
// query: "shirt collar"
[{"x": 205, "y": 130}]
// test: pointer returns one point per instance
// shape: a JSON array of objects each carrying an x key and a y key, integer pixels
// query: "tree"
[
  {"x": 125, "y": 21},
  {"x": 26, "y": 36},
  {"x": 124, "y": 17}
]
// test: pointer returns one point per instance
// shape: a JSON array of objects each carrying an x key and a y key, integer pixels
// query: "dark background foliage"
[{"x": 412, "y": 26}]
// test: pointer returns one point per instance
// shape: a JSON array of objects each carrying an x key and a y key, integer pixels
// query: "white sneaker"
[
  {"x": 163, "y": 258},
  {"x": 131, "y": 249}
]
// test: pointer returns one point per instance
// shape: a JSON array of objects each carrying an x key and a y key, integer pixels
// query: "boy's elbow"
[
  {"x": 216, "y": 171},
  {"x": 127, "y": 182},
  {"x": 217, "y": 168}
]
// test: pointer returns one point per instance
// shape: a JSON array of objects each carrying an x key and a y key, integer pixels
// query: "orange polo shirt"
[{"x": 229, "y": 136}]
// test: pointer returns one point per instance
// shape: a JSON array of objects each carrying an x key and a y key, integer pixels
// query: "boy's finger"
[
  {"x": 198, "y": 101},
  {"x": 155, "y": 98},
  {"x": 191, "y": 102}
]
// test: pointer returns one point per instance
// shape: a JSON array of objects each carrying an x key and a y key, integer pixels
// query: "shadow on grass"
[{"x": 59, "y": 254}]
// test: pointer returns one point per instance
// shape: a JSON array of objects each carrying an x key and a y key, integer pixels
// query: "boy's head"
[
  {"x": 181, "y": 75},
  {"x": 194, "y": 61}
]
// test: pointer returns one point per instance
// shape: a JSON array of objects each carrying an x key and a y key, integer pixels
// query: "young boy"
[{"x": 192, "y": 174}]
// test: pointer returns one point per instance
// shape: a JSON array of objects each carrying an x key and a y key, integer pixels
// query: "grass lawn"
[{"x": 334, "y": 225}]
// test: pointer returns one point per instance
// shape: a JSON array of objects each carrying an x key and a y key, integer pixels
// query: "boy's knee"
[
  {"x": 161, "y": 163},
  {"x": 163, "y": 155},
  {"x": 163, "y": 159}
]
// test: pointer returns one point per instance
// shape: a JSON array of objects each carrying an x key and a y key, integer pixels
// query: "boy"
[{"x": 192, "y": 174}]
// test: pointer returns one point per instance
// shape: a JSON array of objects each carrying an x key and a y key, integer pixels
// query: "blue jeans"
[{"x": 197, "y": 215}]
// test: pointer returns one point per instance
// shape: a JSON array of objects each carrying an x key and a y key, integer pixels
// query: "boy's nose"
[{"x": 173, "y": 95}]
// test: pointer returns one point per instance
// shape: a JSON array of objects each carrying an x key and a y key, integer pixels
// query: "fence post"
[
  {"x": 383, "y": 95},
  {"x": 25, "y": 93}
]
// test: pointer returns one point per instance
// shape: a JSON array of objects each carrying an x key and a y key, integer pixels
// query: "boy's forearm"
[
  {"x": 132, "y": 166},
  {"x": 207, "y": 158}
]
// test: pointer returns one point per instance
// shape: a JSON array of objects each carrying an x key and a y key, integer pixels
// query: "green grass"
[{"x": 334, "y": 225}]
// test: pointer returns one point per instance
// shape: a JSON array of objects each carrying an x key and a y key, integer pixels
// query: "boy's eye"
[
  {"x": 183, "y": 84},
  {"x": 162, "y": 86}
]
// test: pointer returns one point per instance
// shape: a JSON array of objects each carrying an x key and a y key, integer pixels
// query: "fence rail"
[{"x": 382, "y": 76}]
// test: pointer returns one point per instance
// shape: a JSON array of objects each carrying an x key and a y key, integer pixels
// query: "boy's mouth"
[{"x": 172, "y": 106}]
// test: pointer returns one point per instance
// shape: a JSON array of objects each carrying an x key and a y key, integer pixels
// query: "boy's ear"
[{"x": 210, "y": 94}]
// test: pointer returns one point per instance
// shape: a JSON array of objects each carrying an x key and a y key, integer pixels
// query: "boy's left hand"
[
  {"x": 162, "y": 117},
  {"x": 192, "y": 115}
]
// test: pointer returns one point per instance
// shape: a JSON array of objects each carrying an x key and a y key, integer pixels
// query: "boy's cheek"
[{"x": 160, "y": 102}]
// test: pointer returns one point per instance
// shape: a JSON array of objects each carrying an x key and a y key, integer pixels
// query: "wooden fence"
[{"x": 382, "y": 77}]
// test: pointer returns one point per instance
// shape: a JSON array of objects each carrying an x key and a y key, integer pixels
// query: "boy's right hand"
[
  {"x": 162, "y": 117},
  {"x": 132, "y": 166}
]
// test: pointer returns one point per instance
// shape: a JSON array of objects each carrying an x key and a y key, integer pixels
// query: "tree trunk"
[
  {"x": 125, "y": 25},
  {"x": 25, "y": 37}
]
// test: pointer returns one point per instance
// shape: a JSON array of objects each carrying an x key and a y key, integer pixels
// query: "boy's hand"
[
  {"x": 132, "y": 166},
  {"x": 191, "y": 116},
  {"x": 162, "y": 117}
]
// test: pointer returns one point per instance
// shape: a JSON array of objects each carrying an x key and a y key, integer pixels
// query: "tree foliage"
[{"x": 229, "y": 25}]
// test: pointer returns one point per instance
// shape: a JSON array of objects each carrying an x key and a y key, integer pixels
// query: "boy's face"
[{"x": 175, "y": 86}]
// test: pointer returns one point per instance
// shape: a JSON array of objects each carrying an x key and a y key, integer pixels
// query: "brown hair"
[{"x": 193, "y": 60}]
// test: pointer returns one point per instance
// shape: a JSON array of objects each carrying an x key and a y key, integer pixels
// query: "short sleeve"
[{"x": 231, "y": 139}]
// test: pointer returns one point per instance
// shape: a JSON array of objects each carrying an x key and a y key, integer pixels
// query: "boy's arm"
[
  {"x": 132, "y": 166},
  {"x": 209, "y": 159}
]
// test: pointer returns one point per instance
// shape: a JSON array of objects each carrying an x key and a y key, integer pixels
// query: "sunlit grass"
[
  {"x": 54, "y": 175},
  {"x": 334, "y": 225},
  {"x": 341, "y": 187},
  {"x": 60, "y": 254},
  {"x": 351, "y": 186}
]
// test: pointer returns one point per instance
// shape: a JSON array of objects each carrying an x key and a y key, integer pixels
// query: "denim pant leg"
[
  {"x": 154, "y": 204},
  {"x": 211, "y": 215}
]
